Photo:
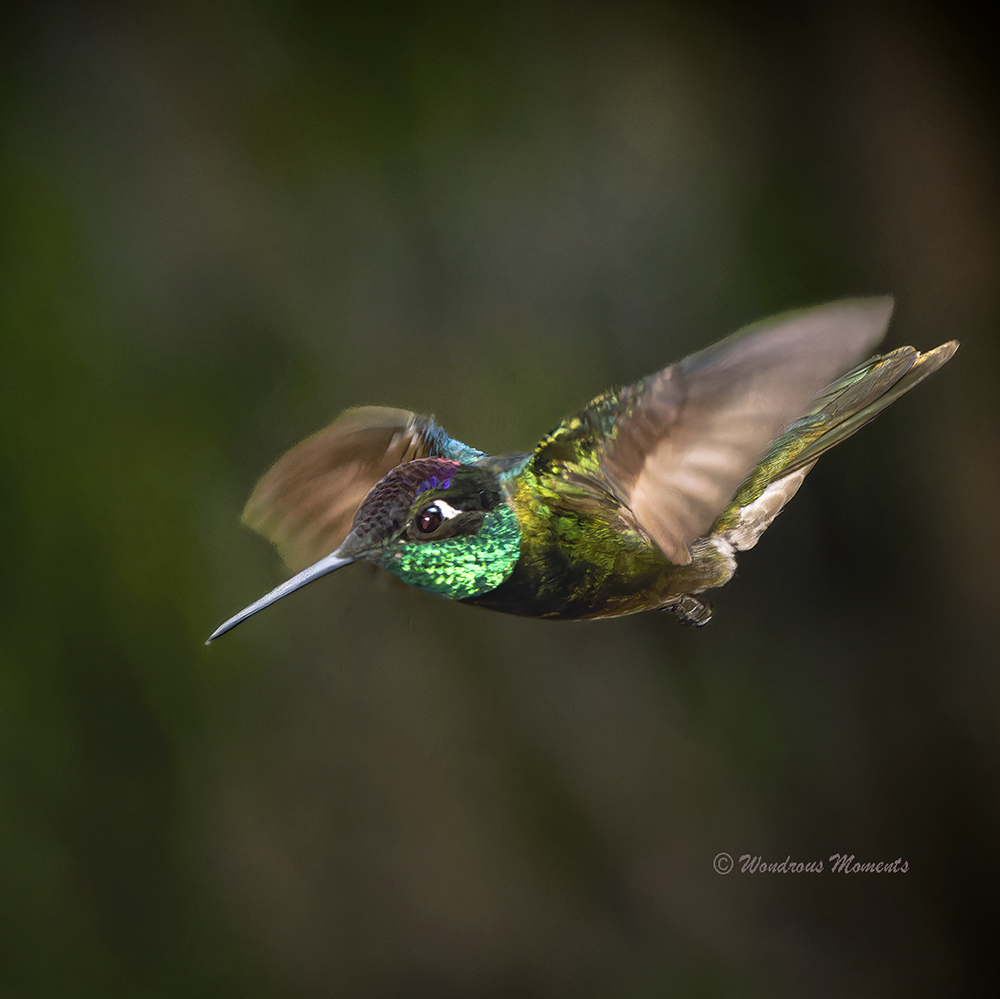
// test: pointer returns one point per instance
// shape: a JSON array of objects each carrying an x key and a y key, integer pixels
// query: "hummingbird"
[{"x": 641, "y": 501}]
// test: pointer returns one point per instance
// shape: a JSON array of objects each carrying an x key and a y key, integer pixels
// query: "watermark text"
[{"x": 836, "y": 863}]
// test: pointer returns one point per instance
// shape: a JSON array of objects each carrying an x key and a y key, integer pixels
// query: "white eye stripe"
[{"x": 447, "y": 510}]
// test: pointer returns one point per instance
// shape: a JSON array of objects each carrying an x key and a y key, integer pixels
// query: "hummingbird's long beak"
[{"x": 320, "y": 568}]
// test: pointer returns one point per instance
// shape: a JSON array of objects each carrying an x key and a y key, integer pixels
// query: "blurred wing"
[
  {"x": 305, "y": 504},
  {"x": 675, "y": 447}
]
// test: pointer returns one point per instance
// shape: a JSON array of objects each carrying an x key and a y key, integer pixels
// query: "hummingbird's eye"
[{"x": 429, "y": 519}]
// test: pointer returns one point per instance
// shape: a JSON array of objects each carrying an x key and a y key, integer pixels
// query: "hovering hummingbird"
[{"x": 638, "y": 502}]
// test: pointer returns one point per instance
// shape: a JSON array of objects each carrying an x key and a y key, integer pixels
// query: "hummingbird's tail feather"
[
  {"x": 840, "y": 411},
  {"x": 857, "y": 398}
]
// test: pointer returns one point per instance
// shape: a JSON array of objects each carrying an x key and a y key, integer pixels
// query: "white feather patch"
[{"x": 755, "y": 517}]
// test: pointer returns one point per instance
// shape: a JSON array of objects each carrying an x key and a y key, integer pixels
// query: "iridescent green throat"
[{"x": 464, "y": 566}]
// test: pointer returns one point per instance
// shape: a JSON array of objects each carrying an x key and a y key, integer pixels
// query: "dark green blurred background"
[{"x": 222, "y": 224}]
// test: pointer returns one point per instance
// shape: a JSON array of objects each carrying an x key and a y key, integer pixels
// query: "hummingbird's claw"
[{"x": 691, "y": 610}]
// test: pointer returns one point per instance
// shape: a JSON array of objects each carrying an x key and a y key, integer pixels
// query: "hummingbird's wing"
[
  {"x": 675, "y": 447},
  {"x": 305, "y": 504}
]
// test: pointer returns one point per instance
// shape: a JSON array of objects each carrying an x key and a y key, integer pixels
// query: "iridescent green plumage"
[
  {"x": 638, "y": 502},
  {"x": 460, "y": 567},
  {"x": 582, "y": 555}
]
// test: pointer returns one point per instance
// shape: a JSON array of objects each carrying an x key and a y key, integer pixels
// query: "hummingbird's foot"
[{"x": 690, "y": 610}]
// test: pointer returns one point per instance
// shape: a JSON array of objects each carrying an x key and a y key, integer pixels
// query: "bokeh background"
[{"x": 223, "y": 223}]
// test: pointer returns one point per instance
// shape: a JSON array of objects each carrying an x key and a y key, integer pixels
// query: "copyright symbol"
[{"x": 723, "y": 863}]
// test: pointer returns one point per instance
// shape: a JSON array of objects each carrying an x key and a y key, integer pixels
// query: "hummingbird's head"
[
  {"x": 434, "y": 523},
  {"x": 420, "y": 501},
  {"x": 439, "y": 525}
]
